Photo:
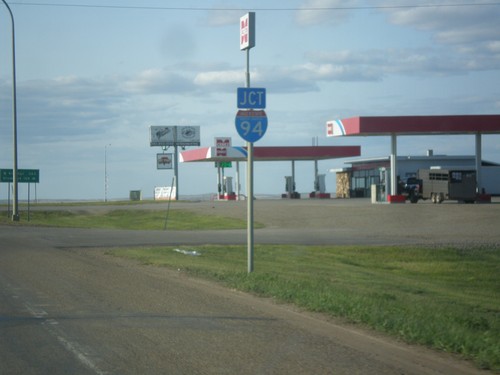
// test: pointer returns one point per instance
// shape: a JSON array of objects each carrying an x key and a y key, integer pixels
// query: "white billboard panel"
[
  {"x": 161, "y": 136},
  {"x": 188, "y": 135}
]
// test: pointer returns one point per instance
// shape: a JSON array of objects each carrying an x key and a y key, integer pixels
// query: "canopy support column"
[
  {"x": 238, "y": 185},
  {"x": 394, "y": 165},
  {"x": 479, "y": 162}
]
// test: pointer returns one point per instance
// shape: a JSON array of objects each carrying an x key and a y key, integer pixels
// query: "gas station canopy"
[
  {"x": 414, "y": 125},
  {"x": 394, "y": 126},
  {"x": 220, "y": 154}
]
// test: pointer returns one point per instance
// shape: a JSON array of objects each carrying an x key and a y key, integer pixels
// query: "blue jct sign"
[
  {"x": 251, "y": 98},
  {"x": 251, "y": 125}
]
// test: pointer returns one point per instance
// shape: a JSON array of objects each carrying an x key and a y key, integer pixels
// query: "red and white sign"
[
  {"x": 222, "y": 142},
  {"x": 221, "y": 151},
  {"x": 329, "y": 129},
  {"x": 247, "y": 31}
]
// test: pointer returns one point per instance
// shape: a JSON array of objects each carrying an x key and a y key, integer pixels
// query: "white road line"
[
  {"x": 80, "y": 355},
  {"x": 52, "y": 325}
]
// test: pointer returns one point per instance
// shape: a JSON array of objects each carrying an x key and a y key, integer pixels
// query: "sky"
[{"x": 94, "y": 75}]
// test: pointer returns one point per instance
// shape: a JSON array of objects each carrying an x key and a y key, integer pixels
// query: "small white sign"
[
  {"x": 164, "y": 161},
  {"x": 165, "y": 193}
]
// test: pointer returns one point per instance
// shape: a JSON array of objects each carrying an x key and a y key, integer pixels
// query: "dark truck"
[{"x": 442, "y": 184}]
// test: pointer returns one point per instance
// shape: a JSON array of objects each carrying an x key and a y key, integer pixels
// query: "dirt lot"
[{"x": 424, "y": 222}]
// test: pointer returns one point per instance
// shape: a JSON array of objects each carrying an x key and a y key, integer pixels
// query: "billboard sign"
[
  {"x": 164, "y": 161},
  {"x": 174, "y": 136},
  {"x": 161, "y": 136},
  {"x": 247, "y": 31}
]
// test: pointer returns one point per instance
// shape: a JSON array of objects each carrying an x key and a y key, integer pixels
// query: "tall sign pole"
[
  {"x": 15, "y": 198},
  {"x": 250, "y": 226},
  {"x": 247, "y": 41},
  {"x": 176, "y": 164},
  {"x": 250, "y": 124}
]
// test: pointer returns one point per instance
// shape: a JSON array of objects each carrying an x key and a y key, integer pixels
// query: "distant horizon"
[{"x": 92, "y": 80}]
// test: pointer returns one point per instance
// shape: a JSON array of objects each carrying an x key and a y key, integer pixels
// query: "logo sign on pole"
[
  {"x": 164, "y": 161},
  {"x": 251, "y": 125},
  {"x": 247, "y": 31},
  {"x": 251, "y": 98}
]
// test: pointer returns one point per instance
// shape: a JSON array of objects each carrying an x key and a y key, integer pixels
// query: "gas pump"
[
  {"x": 319, "y": 184},
  {"x": 385, "y": 184},
  {"x": 228, "y": 188},
  {"x": 320, "y": 188},
  {"x": 290, "y": 188}
]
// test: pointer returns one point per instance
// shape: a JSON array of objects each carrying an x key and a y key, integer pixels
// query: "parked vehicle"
[
  {"x": 444, "y": 184},
  {"x": 412, "y": 189}
]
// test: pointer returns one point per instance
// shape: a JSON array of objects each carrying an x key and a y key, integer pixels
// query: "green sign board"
[
  {"x": 223, "y": 164},
  {"x": 23, "y": 175}
]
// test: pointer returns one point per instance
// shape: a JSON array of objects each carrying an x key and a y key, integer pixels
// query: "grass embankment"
[{"x": 445, "y": 298}]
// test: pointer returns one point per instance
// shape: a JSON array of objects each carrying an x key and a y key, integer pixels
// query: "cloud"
[
  {"x": 219, "y": 18},
  {"x": 471, "y": 30},
  {"x": 226, "y": 77},
  {"x": 158, "y": 81},
  {"x": 375, "y": 64},
  {"x": 313, "y": 12},
  {"x": 179, "y": 43}
]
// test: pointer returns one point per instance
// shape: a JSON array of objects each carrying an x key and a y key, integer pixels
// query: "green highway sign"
[
  {"x": 223, "y": 164},
  {"x": 23, "y": 175}
]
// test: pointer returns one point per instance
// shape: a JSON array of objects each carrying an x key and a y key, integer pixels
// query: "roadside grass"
[
  {"x": 178, "y": 219},
  {"x": 446, "y": 298}
]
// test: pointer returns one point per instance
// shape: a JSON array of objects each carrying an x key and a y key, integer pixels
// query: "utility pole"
[{"x": 15, "y": 197}]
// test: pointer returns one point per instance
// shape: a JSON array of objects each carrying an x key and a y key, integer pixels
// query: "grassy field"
[{"x": 444, "y": 298}]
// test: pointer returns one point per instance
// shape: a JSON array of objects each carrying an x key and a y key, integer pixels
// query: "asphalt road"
[{"x": 67, "y": 308}]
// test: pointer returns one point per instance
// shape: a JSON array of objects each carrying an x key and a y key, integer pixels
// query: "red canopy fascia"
[
  {"x": 305, "y": 152},
  {"x": 414, "y": 125},
  {"x": 270, "y": 153}
]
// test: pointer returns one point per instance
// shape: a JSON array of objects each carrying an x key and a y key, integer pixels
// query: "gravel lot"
[{"x": 425, "y": 223}]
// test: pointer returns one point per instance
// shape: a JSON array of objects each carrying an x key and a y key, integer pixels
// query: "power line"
[{"x": 368, "y": 7}]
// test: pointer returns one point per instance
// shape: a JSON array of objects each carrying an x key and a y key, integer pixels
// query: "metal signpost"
[
  {"x": 251, "y": 123},
  {"x": 15, "y": 207}
]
